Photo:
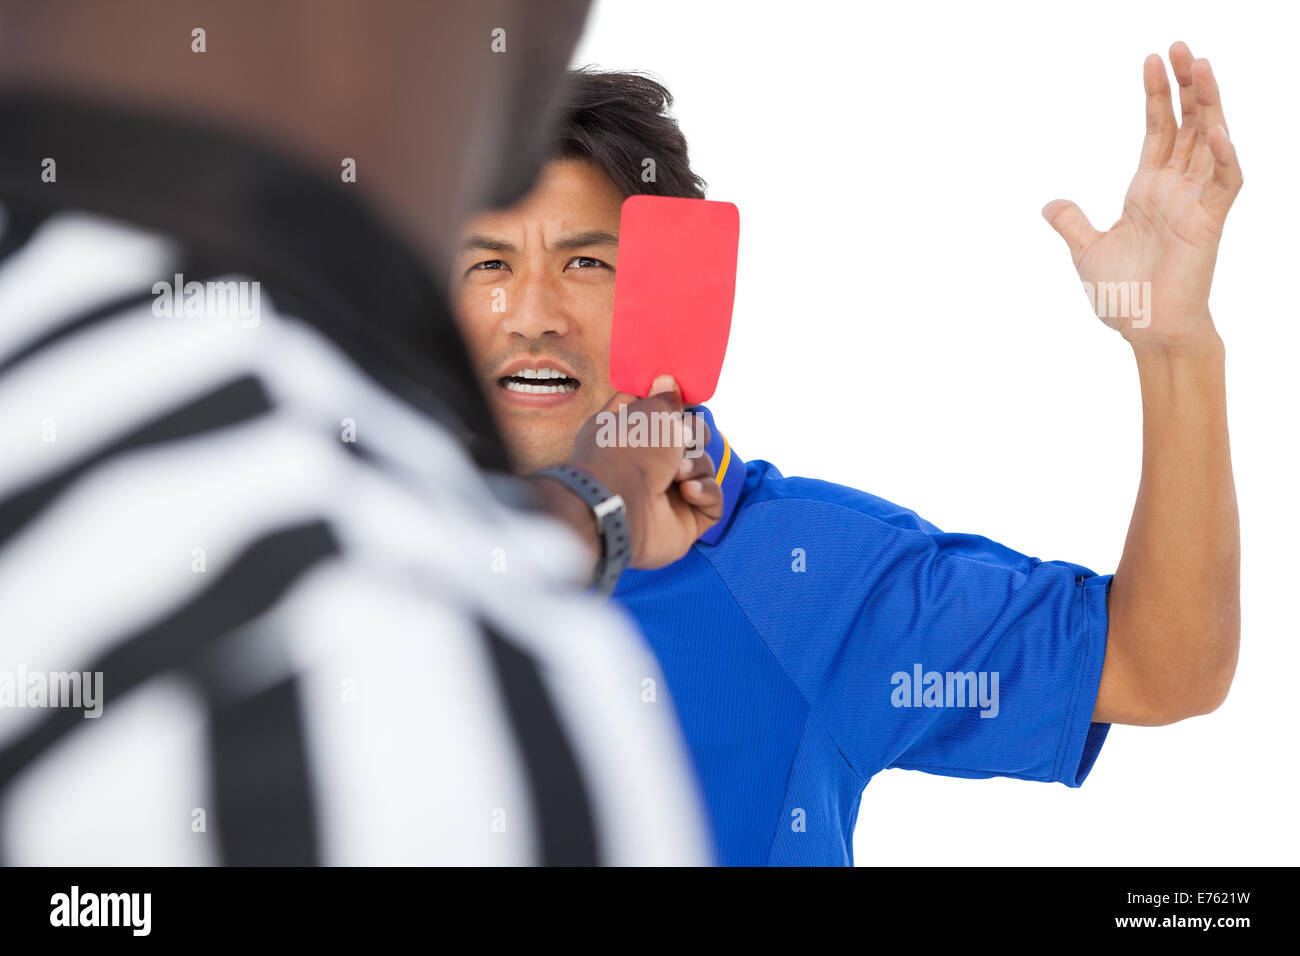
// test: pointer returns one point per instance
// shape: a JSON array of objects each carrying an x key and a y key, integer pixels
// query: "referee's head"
[{"x": 442, "y": 105}]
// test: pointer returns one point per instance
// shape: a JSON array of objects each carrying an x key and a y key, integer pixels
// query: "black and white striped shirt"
[{"x": 323, "y": 636}]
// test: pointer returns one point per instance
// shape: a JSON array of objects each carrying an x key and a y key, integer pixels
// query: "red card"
[{"x": 673, "y": 293}]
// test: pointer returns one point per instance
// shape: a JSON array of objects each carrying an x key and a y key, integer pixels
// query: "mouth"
[
  {"x": 539, "y": 381},
  {"x": 541, "y": 384}
]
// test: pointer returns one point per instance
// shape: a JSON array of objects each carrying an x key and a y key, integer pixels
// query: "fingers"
[
  {"x": 1180, "y": 58},
  {"x": 698, "y": 467},
  {"x": 698, "y": 487},
  {"x": 704, "y": 495},
  {"x": 1072, "y": 226},
  {"x": 654, "y": 434},
  {"x": 1226, "y": 180},
  {"x": 1209, "y": 114},
  {"x": 1162, "y": 128},
  {"x": 1209, "y": 105},
  {"x": 666, "y": 398},
  {"x": 696, "y": 433},
  {"x": 1202, "y": 149}
]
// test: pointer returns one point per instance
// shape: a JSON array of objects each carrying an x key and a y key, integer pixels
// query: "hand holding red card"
[{"x": 673, "y": 294}]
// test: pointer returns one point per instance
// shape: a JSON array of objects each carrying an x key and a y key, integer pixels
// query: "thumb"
[
  {"x": 1071, "y": 224},
  {"x": 665, "y": 386}
]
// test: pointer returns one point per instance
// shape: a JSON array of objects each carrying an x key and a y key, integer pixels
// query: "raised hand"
[{"x": 1164, "y": 245}]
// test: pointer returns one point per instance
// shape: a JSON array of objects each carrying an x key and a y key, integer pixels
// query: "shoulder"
[
  {"x": 769, "y": 496},
  {"x": 776, "y": 514},
  {"x": 791, "y": 523}
]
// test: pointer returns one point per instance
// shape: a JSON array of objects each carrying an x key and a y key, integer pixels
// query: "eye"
[
  {"x": 489, "y": 265},
  {"x": 587, "y": 262}
]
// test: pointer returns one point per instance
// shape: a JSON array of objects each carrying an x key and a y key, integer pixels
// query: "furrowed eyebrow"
[
  {"x": 593, "y": 237},
  {"x": 489, "y": 243},
  {"x": 578, "y": 240}
]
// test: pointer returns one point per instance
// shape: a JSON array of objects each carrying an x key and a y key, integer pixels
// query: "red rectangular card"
[{"x": 673, "y": 294}]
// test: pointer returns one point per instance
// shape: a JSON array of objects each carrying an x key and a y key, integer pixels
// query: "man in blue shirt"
[
  {"x": 818, "y": 634},
  {"x": 792, "y": 634}
]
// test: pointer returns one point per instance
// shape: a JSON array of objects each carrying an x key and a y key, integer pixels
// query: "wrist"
[
  {"x": 561, "y": 501},
  {"x": 1183, "y": 381},
  {"x": 1203, "y": 342},
  {"x": 609, "y": 513}
]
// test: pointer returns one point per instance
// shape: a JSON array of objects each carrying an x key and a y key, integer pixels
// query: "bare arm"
[{"x": 1175, "y": 598}]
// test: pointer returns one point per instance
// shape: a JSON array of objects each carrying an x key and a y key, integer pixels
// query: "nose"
[{"x": 534, "y": 307}]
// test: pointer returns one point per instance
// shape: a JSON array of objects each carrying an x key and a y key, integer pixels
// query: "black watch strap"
[{"x": 611, "y": 522}]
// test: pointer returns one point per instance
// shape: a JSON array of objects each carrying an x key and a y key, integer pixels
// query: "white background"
[{"x": 907, "y": 323}]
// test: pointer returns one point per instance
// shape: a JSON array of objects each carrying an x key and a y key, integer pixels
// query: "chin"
[{"x": 529, "y": 456}]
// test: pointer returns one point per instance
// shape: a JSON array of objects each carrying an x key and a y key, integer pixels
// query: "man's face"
[{"x": 533, "y": 289}]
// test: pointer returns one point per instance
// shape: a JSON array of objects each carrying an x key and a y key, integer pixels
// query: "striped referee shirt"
[{"x": 245, "y": 515}]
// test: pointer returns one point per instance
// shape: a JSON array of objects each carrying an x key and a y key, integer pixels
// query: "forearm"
[{"x": 1175, "y": 598}]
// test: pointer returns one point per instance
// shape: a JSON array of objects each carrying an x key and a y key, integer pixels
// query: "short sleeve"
[{"x": 924, "y": 650}]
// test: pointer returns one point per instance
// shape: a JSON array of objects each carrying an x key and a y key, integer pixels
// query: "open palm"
[{"x": 1162, "y": 249}]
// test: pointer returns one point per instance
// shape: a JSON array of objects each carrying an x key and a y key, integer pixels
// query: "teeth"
[
  {"x": 513, "y": 386},
  {"x": 540, "y": 373}
]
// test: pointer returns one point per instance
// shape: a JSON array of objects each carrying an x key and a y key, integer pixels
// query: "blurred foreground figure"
[{"x": 258, "y": 602}]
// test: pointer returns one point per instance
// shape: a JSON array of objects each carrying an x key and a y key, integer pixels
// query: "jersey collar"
[{"x": 730, "y": 471}]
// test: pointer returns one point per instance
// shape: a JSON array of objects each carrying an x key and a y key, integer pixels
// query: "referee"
[{"x": 243, "y": 491}]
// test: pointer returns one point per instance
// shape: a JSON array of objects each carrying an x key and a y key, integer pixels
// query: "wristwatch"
[{"x": 611, "y": 522}]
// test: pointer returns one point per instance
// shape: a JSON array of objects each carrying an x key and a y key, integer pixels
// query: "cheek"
[
  {"x": 596, "y": 307},
  {"x": 472, "y": 309}
]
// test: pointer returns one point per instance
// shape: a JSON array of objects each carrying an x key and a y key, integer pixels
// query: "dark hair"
[{"x": 617, "y": 121}]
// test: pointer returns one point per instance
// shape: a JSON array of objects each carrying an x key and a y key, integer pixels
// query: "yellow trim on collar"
[{"x": 726, "y": 459}]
